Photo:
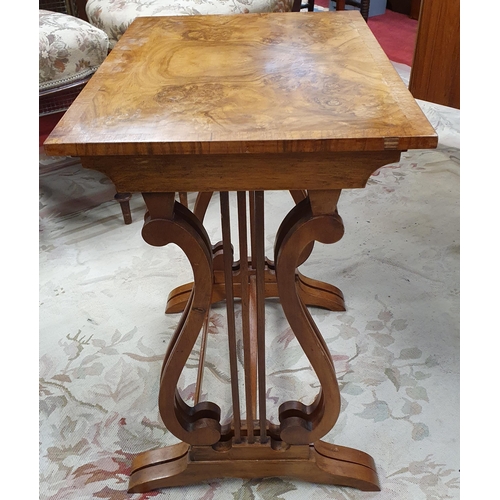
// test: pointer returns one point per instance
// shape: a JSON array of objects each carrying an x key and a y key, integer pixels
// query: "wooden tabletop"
[{"x": 250, "y": 83}]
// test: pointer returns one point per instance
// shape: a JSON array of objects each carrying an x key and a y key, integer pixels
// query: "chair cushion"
[
  {"x": 70, "y": 49},
  {"x": 115, "y": 16}
]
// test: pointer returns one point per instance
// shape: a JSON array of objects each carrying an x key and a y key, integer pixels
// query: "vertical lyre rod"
[
  {"x": 228, "y": 277},
  {"x": 245, "y": 313},
  {"x": 259, "y": 260},
  {"x": 251, "y": 203}
]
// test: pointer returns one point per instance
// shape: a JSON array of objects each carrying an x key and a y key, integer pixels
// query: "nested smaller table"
[{"x": 303, "y": 102}]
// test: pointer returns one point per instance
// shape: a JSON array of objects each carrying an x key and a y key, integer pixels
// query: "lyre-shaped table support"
[{"x": 252, "y": 447}]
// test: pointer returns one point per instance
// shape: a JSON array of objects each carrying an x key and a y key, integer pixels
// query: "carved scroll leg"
[
  {"x": 313, "y": 292},
  {"x": 170, "y": 222},
  {"x": 315, "y": 218},
  {"x": 302, "y": 424}
]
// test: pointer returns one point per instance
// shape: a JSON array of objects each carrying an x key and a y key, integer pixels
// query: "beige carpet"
[{"x": 396, "y": 348}]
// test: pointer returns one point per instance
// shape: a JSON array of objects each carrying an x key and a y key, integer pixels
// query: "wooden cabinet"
[
  {"x": 415, "y": 9},
  {"x": 435, "y": 73}
]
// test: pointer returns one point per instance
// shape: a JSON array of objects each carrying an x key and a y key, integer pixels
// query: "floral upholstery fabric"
[
  {"x": 115, "y": 16},
  {"x": 70, "y": 49}
]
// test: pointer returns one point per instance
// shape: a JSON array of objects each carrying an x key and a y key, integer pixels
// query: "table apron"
[{"x": 241, "y": 172}]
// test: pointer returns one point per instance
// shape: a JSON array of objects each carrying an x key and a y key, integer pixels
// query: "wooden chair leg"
[
  {"x": 310, "y": 6},
  {"x": 123, "y": 199},
  {"x": 298, "y": 5}
]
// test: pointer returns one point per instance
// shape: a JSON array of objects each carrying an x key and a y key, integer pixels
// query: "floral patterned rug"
[{"x": 103, "y": 333}]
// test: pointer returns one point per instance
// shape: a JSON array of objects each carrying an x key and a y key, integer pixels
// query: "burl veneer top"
[{"x": 250, "y": 83}]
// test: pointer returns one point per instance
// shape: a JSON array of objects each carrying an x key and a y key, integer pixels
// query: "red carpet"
[{"x": 395, "y": 32}]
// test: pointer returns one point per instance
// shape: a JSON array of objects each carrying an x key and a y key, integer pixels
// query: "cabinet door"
[{"x": 435, "y": 73}]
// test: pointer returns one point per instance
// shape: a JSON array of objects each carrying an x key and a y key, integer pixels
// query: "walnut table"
[{"x": 303, "y": 102}]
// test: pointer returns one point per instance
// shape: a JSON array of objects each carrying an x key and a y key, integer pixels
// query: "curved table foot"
[{"x": 321, "y": 462}]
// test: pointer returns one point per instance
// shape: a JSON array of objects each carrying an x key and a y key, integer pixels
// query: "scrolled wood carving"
[
  {"x": 167, "y": 222},
  {"x": 299, "y": 423}
]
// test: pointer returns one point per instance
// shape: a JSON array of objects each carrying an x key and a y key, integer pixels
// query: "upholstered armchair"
[
  {"x": 115, "y": 16},
  {"x": 70, "y": 51}
]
